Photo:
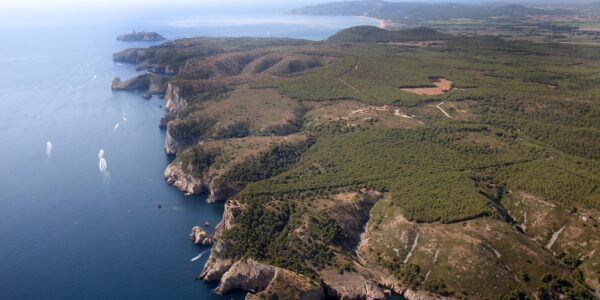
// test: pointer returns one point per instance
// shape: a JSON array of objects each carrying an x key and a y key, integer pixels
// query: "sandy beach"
[{"x": 380, "y": 22}]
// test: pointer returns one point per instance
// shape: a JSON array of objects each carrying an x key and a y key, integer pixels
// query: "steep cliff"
[
  {"x": 221, "y": 168},
  {"x": 147, "y": 83},
  {"x": 175, "y": 102}
]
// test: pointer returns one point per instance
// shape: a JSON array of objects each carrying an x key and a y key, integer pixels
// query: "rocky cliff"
[
  {"x": 261, "y": 280},
  {"x": 175, "y": 102},
  {"x": 358, "y": 282},
  {"x": 187, "y": 183},
  {"x": 148, "y": 83},
  {"x": 172, "y": 146},
  {"x": 200, "y": 237},
  {"x": 217, "y": 263},
  {"x": 144, "y": 36},
  {"x": 194, "y": 185},
  {"x": 140, "y": 57},
  {"x": 247, "y": 274}
]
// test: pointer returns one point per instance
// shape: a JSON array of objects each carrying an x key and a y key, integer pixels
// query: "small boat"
[
  {"x": 159, "y": 206},
  {"x": 206, "y": 224}
]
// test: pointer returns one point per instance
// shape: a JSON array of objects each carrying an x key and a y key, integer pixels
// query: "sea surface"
[{"x": 81, "y": 166}]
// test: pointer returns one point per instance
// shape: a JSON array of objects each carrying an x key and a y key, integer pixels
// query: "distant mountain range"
[{"x": 423, "y": 11}]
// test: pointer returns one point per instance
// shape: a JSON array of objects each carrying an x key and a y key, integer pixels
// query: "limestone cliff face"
[
  {"x": 411, "y": 294},
  {"x": 191, "y": 185},
  {"x": 351, "y": 285},
  {"x": 185, "y": 182},
  {"x": 257, "y": 278},
  {"x": 261, "y": 279},
  {"x": 172, "y": 146},
  {"x": 217, "y": 264},
  {"x": 200, "y": 237},
  {"x": 174, "y": 101},
  {"x": 247, "y": 275},
  {"x": 149, "y": 83}
]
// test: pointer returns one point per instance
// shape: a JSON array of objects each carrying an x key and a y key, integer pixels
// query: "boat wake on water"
[
  {"x": 102, "y": 165},
  {"x": 48, "y": 149},
  {"x": 195, "y": 258}
]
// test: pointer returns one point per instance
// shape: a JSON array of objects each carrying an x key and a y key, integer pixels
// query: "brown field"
[{"x": 442, "y": 86}]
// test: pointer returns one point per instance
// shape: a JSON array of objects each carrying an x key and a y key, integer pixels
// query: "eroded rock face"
[
  {"x": 200, "y": 237},
  {"x": 222, "y": 193},
  {"x": 172, "y": 146},
  {"x": 215, "y": 268},
  {"x": 247, "y": 275},
  {"x": 149, "y": 83},
  {"x": 187, "y": 183},
  {"x": 351, "y": 285},
  {"x": 191, "y": 185},
  {"x": 174, "y": 101},
  {"x": 217, "y": 264},
  {"x": 411, "y": 294},
  {"x": 262, "y": 280}
]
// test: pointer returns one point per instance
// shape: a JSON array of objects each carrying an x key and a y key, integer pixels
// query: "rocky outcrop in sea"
[
  {"x": 144, "y": 36},
  {"x": 200, "y": 237}
]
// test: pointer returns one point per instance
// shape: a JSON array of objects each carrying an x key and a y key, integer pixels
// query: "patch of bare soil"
[
  {"x": 420, "y": 44},
  {"x": 442, "y": 85}
]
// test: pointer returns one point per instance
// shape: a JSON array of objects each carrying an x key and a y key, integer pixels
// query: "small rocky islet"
[{"x": 141, "y": 36}]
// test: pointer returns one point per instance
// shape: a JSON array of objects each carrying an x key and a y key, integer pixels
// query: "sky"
[
  {"x": 73, "y": 4},
  {"x": 49, "y": 6},
  {"x": 20, "y": 12},
  {"x": 78, "y": 4}
]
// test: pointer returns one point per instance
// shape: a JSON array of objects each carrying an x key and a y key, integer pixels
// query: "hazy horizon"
[{"x": 30, "y": 5}]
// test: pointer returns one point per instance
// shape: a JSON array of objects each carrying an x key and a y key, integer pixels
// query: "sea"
[{"x": 84, "y": 210}]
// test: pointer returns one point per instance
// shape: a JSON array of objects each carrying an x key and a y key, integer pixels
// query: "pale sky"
[{"x": 33, "y": 4}]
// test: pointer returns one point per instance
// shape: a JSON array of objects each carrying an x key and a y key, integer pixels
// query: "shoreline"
[{"x": 381, "y": 23}]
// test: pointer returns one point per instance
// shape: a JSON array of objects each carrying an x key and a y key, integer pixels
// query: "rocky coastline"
[
  {"x": 205, "y": 162},
  {"x": 149, "y": 84},
  {"x": 247, "y": 274}
]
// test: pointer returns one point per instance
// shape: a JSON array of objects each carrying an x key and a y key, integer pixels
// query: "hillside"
[
  {"x": 371, "y": 34},
  {"x": 421, "y": 11},
  {"x": 383, "y": 162}
]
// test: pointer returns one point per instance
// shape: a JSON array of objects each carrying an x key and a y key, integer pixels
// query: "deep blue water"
[{"x": 68, "y": 231}]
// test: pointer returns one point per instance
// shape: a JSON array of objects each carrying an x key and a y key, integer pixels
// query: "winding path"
[
  {"x": 349, "y": 85},
  {"x": 414, "y": 245},
  {"x": 439, "y": 106},
  {"x": 554, "y": 237}
]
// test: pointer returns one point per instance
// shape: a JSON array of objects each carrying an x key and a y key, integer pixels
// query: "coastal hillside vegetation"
[{"x": 348, "y": 167}]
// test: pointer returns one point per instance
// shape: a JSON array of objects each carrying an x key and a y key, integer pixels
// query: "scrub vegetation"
[{"x": 456, "y": 194}]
